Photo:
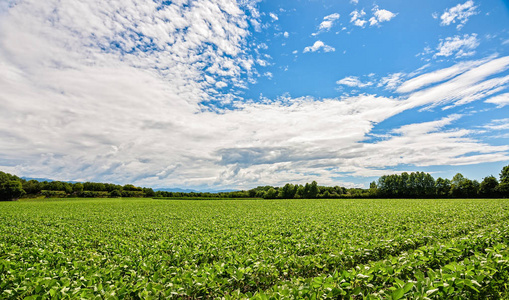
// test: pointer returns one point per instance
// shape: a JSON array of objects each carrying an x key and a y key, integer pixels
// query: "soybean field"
[{"x": 254, "y": 249}]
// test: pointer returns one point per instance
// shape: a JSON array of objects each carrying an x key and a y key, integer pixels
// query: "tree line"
[
  {"x": 13, "y": 187},
  {"x": 404, "y": 185}
]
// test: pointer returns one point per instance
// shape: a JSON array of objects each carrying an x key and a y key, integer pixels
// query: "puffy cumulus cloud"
[
  {"x": 328, "y": 21},
  {"x": 317, "y": 46},
  {"x": 357, "y": 18},
  {"x": 353, "y": 81},
  {"x": 459, "y": 13},
  {"x": 380, "y": 15},
  {"x": 458, "y": 46},
  {"x": 273, "y": 16},
  {"x": 500, "y": 100}
]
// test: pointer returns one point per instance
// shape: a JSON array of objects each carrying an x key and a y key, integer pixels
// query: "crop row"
[{"x": 473, "y": 267}]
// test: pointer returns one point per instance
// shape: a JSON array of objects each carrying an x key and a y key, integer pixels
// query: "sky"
[{"x": 223, "y": 94}]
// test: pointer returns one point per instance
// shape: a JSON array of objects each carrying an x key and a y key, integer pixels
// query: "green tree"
[
  {"x": 78, "y": 188},
  {"x": 489, "y": 187},
  {"x": 313, "y": 190},
  {"x": 149, "y": 192},
  {"x": 11, "y": 190},
  {"x": 300, "y": 192},
  {"x": 288, "y": 191},
  {"x": 503, "y": 186},
  {"x": 116, "y": 193},
  {"x": 442, "y": 187},
  {"x": 271, "y": 194}
]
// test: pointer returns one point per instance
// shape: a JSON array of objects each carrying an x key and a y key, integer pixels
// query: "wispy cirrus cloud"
[
  {"x": 500, "y": 100},
  {"x": 353, "y": 81}
]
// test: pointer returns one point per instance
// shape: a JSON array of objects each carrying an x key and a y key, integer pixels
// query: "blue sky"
[{"x": 222, "y": 94}]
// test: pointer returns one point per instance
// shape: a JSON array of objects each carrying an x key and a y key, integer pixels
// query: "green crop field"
[{"x": 263, "y": 249}]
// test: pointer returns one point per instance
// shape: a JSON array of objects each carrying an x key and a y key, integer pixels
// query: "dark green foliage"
[
  {"x": 503, "y": 187},
  {"x": 488, "y": 187},
  {"x": 78, "y": 188},
  {"x": 271, "y": 194},
  {"x": 11, "y": 190},
  {"x": 442, "y": 187}
]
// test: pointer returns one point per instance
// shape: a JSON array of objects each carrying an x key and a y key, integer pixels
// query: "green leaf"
[
  {"x": 397, "y": 294},
  {"x": 408, "y": 286}
]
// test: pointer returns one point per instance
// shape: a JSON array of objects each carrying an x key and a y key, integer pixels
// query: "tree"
[
  {"x": 488, "y": 187},
  {"x": 116, "y": 193},
  {"x": 271, "y": 194},
  {"x": 149, "y": 192},
  {"x": 288, "y": 191},
  {"x": 300, "y": 192},
  {"x": 78, "y": 188},
  {"x": 11, "y": 190},
  {"x": 313, "y": 189},
  {"x": 442, "y": 187},
  {"x": 503, "y": 186},
  {"x": 457, "y": 184}
]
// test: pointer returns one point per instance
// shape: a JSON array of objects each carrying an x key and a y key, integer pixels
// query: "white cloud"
[
  {"x": 458, "y": 46},
  {"x": 498, "y": 124},
  {"x": 81, "y": 99},
  {"x": 358, "y": 18},
  {"x": 273, "y": 16},
  {"x": 221, "y": 84},
  {"x": 286, "y": 34},
  {"x": 469, "y": 86},
  {"x": 380, "y": 15},
  {"x": 268, "y": 75},
  {"x": 500, "y": 100},
  {"x": 460, "y": 13},
  {"x": 328, "y": 21},
  {"x": 353, "y": 81},
  {"x": 355, "y": 2},
  {"x": 392, "y": 81},
  {"x": 439, "y": 75},
  {"x": 317, "y": 46}
]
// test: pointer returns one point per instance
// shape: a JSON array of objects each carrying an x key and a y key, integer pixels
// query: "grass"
[{"x": 145, "y": 248}]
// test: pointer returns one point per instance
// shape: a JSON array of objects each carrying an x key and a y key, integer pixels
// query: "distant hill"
[{"x": 38, "y": 179}]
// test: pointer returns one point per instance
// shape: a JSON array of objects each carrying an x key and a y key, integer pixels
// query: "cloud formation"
[
  {"x": 353, "y": 81},
  {"x": 459, "y": 13},
  {"x": 500, "y": 100},
  {"x": 380, "y": 15},
  {"x": 458, "y": 46},
  {"x": 119, "y": 92},
  {"x": 328, "y": 21},
  {"x": 357, "y": 18},
  {"x": 317, "y": 46}
]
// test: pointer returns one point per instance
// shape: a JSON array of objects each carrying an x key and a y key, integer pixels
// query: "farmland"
[{"x": 264, "y": 249}]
